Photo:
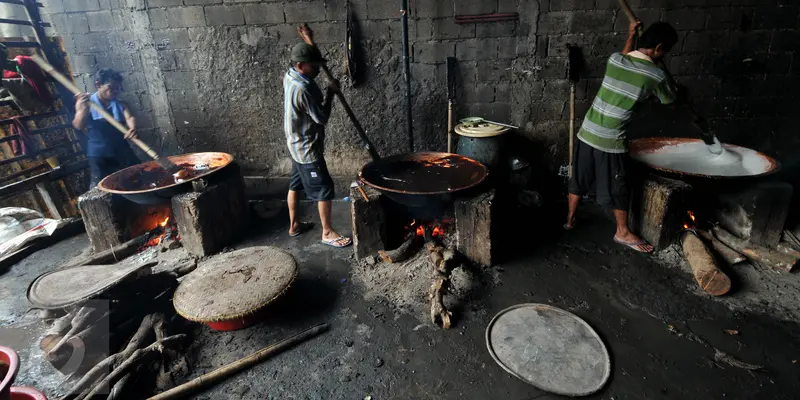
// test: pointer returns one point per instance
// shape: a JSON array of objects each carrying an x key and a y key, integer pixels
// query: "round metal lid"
[
  {"x": 234, "y": 285},
  {"x": 62, "y": 288},
  {"x": 480, "y": 130},
  {"x": 549, "y": 348}
]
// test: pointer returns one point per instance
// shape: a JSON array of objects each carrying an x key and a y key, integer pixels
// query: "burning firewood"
[{"x": 402, "y": 253}]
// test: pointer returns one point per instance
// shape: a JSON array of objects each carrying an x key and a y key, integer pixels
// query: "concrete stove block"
[
  {"x": 214, "y": 217},
  {"x": 369, "y": 222},
  {"x": 757, "y": 214},
  {"x": 659, "y": 210},
  {"x": 475, "y": 227}
]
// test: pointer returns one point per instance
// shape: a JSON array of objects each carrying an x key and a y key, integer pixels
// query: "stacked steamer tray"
[{"x": 231, "y": 291}]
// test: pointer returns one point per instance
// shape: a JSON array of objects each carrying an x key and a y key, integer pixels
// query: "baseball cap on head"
[{"x": 303, "y": 52}]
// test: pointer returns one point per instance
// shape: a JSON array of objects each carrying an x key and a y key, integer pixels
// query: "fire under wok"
[
  {"x": 692, "y": 159},
  {"x": 423, "y": 179},
  {"x": 149, "y": 183}
]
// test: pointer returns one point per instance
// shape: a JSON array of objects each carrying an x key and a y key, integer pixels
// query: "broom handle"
[
  {"x": 63, "y": 80},
  {"x": 239, "y": 365}
]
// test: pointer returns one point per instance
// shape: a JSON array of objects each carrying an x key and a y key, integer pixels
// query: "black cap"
[{"x": 303, "y": 52}]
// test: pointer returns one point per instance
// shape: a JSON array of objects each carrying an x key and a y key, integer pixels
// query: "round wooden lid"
[
  {"x": 480, "y": 130},
  {"x": 234, "y": 285}
]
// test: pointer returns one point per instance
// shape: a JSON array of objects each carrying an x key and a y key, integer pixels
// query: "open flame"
[
  {"x": 157, "y": 240},
  {"x": 687, "y": 226}
]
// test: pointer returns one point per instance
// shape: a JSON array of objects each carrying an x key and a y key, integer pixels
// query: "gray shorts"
[
  {"x": 605, "y": 174},
  {"x": 314, "y": 179}
]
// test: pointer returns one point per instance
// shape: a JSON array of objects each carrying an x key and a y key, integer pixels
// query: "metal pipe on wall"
[{"x": 407, "y": 71}]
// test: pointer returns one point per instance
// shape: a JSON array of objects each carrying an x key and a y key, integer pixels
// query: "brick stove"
[
  {"x": 208, "y": 218},
  {"x": 468, "y": 224}
]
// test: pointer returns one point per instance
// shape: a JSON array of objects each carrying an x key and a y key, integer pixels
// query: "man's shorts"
[
  {"x": 314, "y": 179},
  {"x": 605, "y": 174}
]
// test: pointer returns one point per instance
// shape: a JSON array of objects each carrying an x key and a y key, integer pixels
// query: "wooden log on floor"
[
  {"x": 771, "y": 258},
  {"x": 112, "y": 255},
  {"x": 705, "y": 269},
  {"x": 729, "y": 255},
  {"x": 402, "y": 253}
]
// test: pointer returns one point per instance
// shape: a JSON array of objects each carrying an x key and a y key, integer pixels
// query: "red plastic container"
[{"x": 9, "y": 366}]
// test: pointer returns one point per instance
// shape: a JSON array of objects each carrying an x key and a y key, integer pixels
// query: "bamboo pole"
[{"x": 223, "y": 372}]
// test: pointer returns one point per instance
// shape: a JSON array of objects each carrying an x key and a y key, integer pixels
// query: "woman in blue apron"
[{"x": 107, "y": 149}]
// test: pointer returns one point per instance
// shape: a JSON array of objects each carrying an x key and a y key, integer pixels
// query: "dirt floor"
[{"x": 667, "y": 339}]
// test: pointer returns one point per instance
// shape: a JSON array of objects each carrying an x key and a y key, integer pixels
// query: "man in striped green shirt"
[{"x": 600, "y": 158}]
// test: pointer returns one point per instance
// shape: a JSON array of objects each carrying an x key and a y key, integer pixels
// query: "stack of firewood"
[
  {"x": 109, "y": 341},
  {"x": 731, "y": 250}
]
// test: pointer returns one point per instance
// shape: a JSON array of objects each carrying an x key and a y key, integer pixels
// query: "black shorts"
[
  {"x": 605, "y": 174},
  {"x": 314, "y": 179},
  {"x": 101, "y": 167}
]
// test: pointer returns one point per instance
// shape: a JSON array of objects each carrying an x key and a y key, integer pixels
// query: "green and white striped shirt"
[{"x": 629, "y": 79}]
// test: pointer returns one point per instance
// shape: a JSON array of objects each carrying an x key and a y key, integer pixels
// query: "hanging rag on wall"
[
  {"x": 23, "y": 145},
  {"x": 30, "y": 73}
]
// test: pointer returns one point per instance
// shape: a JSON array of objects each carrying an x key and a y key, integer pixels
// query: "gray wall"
[{"x": 206, "y": 74}]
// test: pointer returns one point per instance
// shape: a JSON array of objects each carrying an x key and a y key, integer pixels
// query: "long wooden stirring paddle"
[{"x": 63, "y": 80}]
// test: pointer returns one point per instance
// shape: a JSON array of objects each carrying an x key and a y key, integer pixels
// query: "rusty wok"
[
  {"x": 424, "y": 179},
  {"x": 690, "y": 160},
  {"x": 149, "y": 183}
]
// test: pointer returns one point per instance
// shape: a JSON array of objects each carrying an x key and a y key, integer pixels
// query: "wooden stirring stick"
[{"x": 63, "y": 80}]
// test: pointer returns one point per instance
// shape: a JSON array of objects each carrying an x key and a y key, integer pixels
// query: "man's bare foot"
[
  {"x": 634, "y": 242},
  {"x": 334, "y": 239},
  {"x": 569, "y": 225}
]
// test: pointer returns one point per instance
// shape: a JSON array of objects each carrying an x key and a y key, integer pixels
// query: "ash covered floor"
[{"x": 665, "y": 336}]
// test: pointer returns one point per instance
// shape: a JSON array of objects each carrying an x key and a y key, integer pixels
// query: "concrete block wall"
[{"x": 207, "y": 74}]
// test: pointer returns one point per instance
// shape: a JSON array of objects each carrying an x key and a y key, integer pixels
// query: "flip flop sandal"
[
  {"x": 304, "y": 227},
  {"x": 633, "y": 245},
  {"x": 335, "y": 242},
  {"x": 567, "y": 227}
]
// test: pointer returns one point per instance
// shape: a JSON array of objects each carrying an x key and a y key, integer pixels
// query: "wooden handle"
[
  {"x": 627, "y": 10},
  {"x": 67, "y": 83},
  {"x": 450, "y": 126},
  {"x": 239, "y": 365},
  {"x": 571, "y": 124},
  {"x": 308, "y": 36}
]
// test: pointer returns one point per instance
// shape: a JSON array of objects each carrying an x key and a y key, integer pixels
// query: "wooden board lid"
[
  {"x": 234, "y": 285},
  {"x": 480, "y": 130},
  {"x": 63, "y": 288}
]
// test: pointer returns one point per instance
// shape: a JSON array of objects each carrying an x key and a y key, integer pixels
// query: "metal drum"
[{"x": 483, "y": 142}]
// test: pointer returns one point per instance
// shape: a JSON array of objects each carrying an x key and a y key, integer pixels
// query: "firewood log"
[
  {"x": 705, "y": 268},
  {"x": 728, "y": 254},
  {"x": 771, "y": 258},
  {"x": 400, "y": 254},
  {"x": 440, "y": 315}
]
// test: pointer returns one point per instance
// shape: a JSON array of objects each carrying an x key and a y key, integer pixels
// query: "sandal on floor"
[
  {"x": 633, "y": 245},
  {"x": 303, "y": 228},
  {"x": 336, "y": 242}
]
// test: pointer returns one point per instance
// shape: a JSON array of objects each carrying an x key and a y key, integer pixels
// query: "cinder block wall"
[{"x": 207, "y": 74}]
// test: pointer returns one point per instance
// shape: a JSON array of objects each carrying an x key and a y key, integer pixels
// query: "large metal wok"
[
  {"x": 690, "y": 160},
  {"x": 425, "y": 179},
  {"x": 149, "y": 183}
]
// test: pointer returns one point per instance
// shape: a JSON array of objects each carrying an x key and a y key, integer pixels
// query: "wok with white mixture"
[{"x": 692, "y": 157}]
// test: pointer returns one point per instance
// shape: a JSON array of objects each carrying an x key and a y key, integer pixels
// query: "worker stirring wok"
[{"x": 107, "y": 149}]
